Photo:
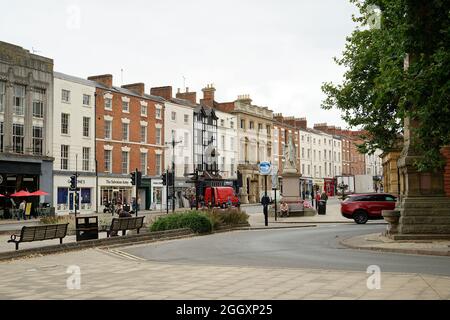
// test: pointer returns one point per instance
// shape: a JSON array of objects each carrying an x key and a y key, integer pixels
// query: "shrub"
[
  {"x": 229, "y": 216},
  {"x": 194, "y": 220}
]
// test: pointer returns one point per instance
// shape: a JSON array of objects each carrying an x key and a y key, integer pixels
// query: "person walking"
[
  {"x": 22, "y": 206},
  {"x": 318, "y": 196},
  {"x": 324, "y": 196}
]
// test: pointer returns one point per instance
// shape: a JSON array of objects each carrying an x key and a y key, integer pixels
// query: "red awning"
[
  {"x": 39, "y": 193},
  {"x": 21, "y": 193},
  {"x": 1, "y": 195}
]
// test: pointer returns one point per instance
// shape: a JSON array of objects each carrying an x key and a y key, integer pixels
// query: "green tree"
[{"x": 377, "y": 93}]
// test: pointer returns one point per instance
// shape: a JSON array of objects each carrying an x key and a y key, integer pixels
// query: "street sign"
[{"x": 265, "y": 168}]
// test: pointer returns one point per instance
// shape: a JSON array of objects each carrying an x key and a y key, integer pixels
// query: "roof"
[
  {"x": 129, "y": 92},
  {"x": 183, "y": 102},
  {"x": 70, "y": 78}
]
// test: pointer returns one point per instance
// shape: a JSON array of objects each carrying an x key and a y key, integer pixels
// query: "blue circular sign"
[{"x": 265, "y": 167}]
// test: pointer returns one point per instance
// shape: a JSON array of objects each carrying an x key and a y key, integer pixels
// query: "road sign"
[{"x": 265, "y": 168}]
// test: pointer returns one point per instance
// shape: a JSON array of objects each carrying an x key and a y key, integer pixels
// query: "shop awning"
[
  {"x": 39, "y": 193},
  {"x": 21, "y": 193}
]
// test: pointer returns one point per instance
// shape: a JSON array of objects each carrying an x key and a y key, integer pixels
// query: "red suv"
[{"x": 362, "y": 207}]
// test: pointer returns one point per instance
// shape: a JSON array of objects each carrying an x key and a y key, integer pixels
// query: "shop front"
[
  {"x": 114, "y": 189},
  {"x": 29, "y": 176},
  {"x": 66, "y": 200},
  {"x": 330, "y": 186},
  {"x": 319, "y": 183},
  {"x": 306, "y": 185},
  {"x": 158, "y": 193}
]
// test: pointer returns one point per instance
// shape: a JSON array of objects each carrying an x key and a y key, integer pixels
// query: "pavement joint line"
[{"x": 430, "y": 286}]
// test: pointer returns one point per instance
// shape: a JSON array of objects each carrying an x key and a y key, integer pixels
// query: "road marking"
[{"x": 122, "y": 254}]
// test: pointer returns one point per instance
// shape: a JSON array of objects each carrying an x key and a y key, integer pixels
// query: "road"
[{"x": 315, "y": 248}]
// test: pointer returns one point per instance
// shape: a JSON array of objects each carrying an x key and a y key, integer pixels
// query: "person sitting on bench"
[{"x": 284, "y": 209}]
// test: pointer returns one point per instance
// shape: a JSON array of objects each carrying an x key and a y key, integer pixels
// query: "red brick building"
[{"x": 129, "y": 135}]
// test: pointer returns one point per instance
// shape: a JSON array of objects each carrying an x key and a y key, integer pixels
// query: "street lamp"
[{"x": 173, "y": 143}]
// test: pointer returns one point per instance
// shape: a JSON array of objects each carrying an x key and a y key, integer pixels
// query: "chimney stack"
[
  {"x": 208, "y": 95},
  {"x": 164, "y": 92},
  {"x": 138, "y": 88},
  {"x": 190, "y": 96},
  {"x": 105, "y": 79}
]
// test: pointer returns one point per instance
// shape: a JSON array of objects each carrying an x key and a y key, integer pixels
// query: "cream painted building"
[{"x": 74, "y": 143}]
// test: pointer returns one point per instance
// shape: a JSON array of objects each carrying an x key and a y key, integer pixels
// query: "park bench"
[
  {"x": 39, "y": 233},
  {"x": 124, "y": 224}
]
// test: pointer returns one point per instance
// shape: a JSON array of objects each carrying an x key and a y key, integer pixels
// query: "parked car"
[
  {"x": 218, "y": 196},
  {"x": 367, "y": 206}
]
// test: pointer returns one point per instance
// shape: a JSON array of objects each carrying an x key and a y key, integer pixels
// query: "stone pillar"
[
  {"x": 390, "y": 171},
  {"x": 424, "y": 208},
  {"x": 8, "y": 123}
]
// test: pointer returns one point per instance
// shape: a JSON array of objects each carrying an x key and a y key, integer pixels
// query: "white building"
[
  {"x": 74, "y": 143},
  {"x": 227, "y": 144},
  {"x": 374, "y": 164}
]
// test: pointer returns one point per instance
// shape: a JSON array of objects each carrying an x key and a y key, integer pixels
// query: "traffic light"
[
  {"x": 73, "y": 182},
  {"x": 164, "y": 178},
  {"x": 139, "y": 178},
  {"x": 133, "y": 178}
]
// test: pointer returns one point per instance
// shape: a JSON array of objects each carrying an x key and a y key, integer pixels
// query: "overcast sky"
[{"x": 278, "y": 51}]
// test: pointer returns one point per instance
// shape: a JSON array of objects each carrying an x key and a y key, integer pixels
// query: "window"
[
  {"x": 158, "y": 113},
  {"x": 19, "y": 100},
  {"x": 1, "y": 137},
  {"x": 186, "y": 139},
  {"x": 125, "y": 106},
  {"x": 65, "y": 95},
  {"x": 252, "y": 125},
  {"x": 18, "y": 136},
  {"x": 158, "y": 164},
  {"x": 303, "y": 169},
  {"x": 232, "y": 143},
  {"x": 232, "y": 167},
  {"x": 268, "y": 129},
  {"x": 144, "y": 163},
  {"x": 38, "y": 103},
  {"x": 108, "y": 103},
  {"x": 314, "y": 155},
  {"x": 186, "y": 165},
  {"x": 325, "y": 154},
  {"x": 86, "y": 156},
  {"x": 314, "y": 140},
  {"x": 223, "y": 142},
  {"x": 222, "y": 167},
  {"x": 242, "y": 124},
  {"x": 108, "y": 129},
  {"x": 186, "y": 118},
  {"x": 158, "y": 136},
  {"x": 125, "y": 127},
  {"x": 86, "y": 126},
  {"x": 309, "y": 169},
  {"x": 143, "y": 110},
  {"x": 64, "y": 157},
  {"x": 173, "y": 116},
  {"x": 125, "y": 162},
  {"x": 303, "y": 152},
  {"x": 260, "y": 127},
  {"x": 2, "y": 96},
  {"x": 144, "y": 134},
  {"x": 37, "y": 140},
  {"x": 329, "y": 155},
  {"x": 64, "y": 123},
  {"x": 86, "y": 100},
  {"x": 231, "y": 124},
  {"x": 108, "y": 160}
]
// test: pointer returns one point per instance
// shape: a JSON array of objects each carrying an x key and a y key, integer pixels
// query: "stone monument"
[
  {"x": 291, "y": 182},
  {"x": 423, "y": 210}
]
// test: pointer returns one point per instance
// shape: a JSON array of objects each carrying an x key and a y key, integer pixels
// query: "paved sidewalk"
[
  {"x": 379, "y": 242},
  {"x": 112, "y": 275}
]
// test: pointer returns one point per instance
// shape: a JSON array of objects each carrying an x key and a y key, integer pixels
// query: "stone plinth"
[{"x": 291, "y": 187}]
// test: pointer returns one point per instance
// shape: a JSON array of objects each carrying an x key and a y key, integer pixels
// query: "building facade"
[
  {"x": 74, "y": 143},
  {"x": 126, "y": 123},
  {"x": 255, "y": 127},
  {"x": 26, "y": 113},
  {"x": 178, "y": 115}
]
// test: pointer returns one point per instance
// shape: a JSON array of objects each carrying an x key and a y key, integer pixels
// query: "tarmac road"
[{"x": 316, "y": 248}]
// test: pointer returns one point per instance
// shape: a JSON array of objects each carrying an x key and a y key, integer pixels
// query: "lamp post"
[{"x": 173, "y": 143}]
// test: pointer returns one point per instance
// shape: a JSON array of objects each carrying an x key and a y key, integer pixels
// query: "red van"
[{"x": 218, "y": 196}]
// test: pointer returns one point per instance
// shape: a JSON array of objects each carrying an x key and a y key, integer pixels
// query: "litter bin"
[
  {"x": 322, "y": 207},
  {"x": 86, "y": 228}
]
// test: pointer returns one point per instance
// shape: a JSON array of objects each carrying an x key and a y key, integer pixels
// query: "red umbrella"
[
  {"x": 21, "y": 193},
  {"x": 39, "y": 193},
  {"x": 1, "y": 195}
]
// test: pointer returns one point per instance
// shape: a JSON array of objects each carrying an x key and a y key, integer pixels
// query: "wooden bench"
[
  {"x": 124, "y": 224},
  {"x": 39, "y": 233}
]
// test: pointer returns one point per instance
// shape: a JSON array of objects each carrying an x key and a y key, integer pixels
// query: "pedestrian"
[
  {"x": 324, "y": 196},
  {"x": 317, "y": 198},
  {"x": 229, "y": 203},
  {"x": 22, "y": 210},
  {"x": 284, "y": 208}
]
